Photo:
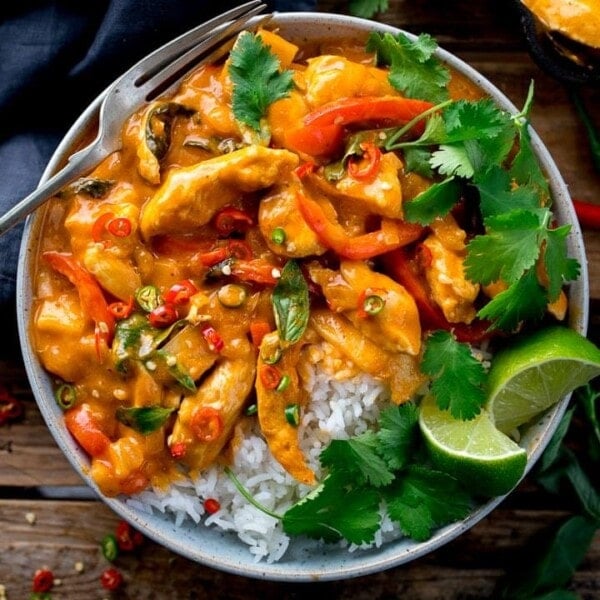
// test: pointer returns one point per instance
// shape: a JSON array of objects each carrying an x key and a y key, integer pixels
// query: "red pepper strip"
[
  {"x": 214, "y": 257},
  {"x": 255, "y": 271},
  {"x": 587, "y": 213},
  {"x": 367, "y": 167},
  {"x": 121, "y": 310},
  {"x": 229, "y": 220},
  {"x": 258, "y": 330},
  {"x": 368, "y": 245},
  {"x": 84, "y": 427},
  {"x": 388, "y": 110},
  {"x": 398, "y": 265},
  {"x": 91, "y": 297},
  {"x": 315, "y": 140}
]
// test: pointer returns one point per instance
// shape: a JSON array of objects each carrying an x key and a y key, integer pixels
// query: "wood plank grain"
[{"x": 66, "y": 533}]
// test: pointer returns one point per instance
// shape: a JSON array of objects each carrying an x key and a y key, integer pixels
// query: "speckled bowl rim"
[{"x": 305, "y": 560}]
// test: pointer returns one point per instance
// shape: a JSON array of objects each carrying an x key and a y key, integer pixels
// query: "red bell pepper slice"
[
  {"x": 399, "y": 266},
  {"x": 84, "y": 427},
  {"x": 315, "y": 140},
  {"x": 588, "y": 214},
  {"x": 385, "y": 110},
  {"x": 91, "y": 296},
  {"x": 392, "y": 234}
]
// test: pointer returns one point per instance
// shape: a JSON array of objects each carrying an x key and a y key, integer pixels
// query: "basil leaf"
[
  {"x": 145, "y": 419},
  {"x": 159, "y": 122},
  {"x": 90, "y": 186},
  {"x": 291, "y": 303}
]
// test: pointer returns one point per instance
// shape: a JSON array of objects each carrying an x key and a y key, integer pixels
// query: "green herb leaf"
[
  {"x": 90, "y": 186},
  {"x": 335, "y": 510},
  {"x": 414, "y": 70},
  {"x": 367, "y": 8},
  {"x": 436, "y": 201},
  {"x": 422, "y": 499},
  {"x": 144, "y": 419},
  {"x": 562, "y": 553},
  {"x": 559, "y": 267},
  {"x": 291, "y": 303},
  {"x": 398, "y": 434},
  {"x": 526, "y": 299},
  {"x": 257, "y": 81},
  {"x": 357, "y": 457},
  {"x": 458, "y": 377},
  {"x": 510, "y": 247}
]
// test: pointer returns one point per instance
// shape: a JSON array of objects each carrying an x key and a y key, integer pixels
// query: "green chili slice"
[
  {"x": 292, "y": 414},
  {"x": 148, "y": 297},
  {"x": 65, "y": 396},
  {"x": 278, "y": 235},
  {"x": 110, "y": 547},
  {"x": 373, "y": 304},
  {"x": 283, "y": 383},
  {"x": 251, "y": 410}
]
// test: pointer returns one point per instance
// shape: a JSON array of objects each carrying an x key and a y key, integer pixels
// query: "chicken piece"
[
  {"x": 190, "y": 196},
  {"x": 381, "y": 195},
  {"x": 331, "y": 77},
  {"x": 450, "y": 289},
  {"x": 396, "y": 327},
  {"x": 279, "y": 210},
  {"x": 206, "y": 420},
  {"x": 115, "y": 274},
  {"x": 280, "y": 435},
  {"x": 399, "y": 370}
]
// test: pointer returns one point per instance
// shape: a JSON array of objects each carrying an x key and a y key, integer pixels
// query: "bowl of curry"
[{"x": 213, "y": 316}]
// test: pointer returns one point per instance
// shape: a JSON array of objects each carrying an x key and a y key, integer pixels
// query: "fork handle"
[{"x": 79, "y": 164}]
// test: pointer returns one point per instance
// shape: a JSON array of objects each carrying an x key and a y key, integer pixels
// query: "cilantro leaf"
[
  {"x": 257, "y": 81},
  {"x": 335, "y": 510},
  {"x": 423, "y": 498},
  {"x": 559, "y": 268},
  {"x": 453, "y": 159},
  {"x": 497, "y": 196},
  {"x": 457, "y": 376},
  {"x": 367, "y": 8},
  {"x": 510, "y": 246},
  {"x": 358, "y": 459},
  {"x": 436, "y": 201},
  {"x": 398, "y": 433},
  {"x": 414, "y": 70},
  {"x": 417, "y": 161},
  {"x": 525, "y": 299}
]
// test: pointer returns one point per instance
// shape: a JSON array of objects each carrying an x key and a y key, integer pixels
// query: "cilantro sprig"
[
  {"x": 458, "y": 378},
  {"x": 257, "y": 79},
  {"x": 372, "y": 473}
]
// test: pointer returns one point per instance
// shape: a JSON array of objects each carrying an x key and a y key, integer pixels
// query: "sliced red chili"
[
  {"x": 121, "y": 310},
  {"x": 270, "y": 376},
  {"x": 163, "y": 315},
  {"x": 207, "y": 424},
  {"x": 123, "y": 535},
  {"x": 367, "y": 167},
  {"x": 10, "y": 408},
  {"x": 119, "y": 227},
  {"x": 211, "y": 506},
  {"x": 181, "y": 292},
  {"x": 43, "y": 581},
  {"x": 99, "y": 227},
  {"x": 231, "y": 220},
  {"x": 111, "y": 579},
  {"x": 240, "y": 249},
  {"x": 178, "y": 450},
  {"x": 214, "y": 340},
  {"x": 305, "y": 169}
]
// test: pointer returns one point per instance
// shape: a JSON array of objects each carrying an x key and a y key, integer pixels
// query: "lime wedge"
[
  {"x": 475, "y": 452},
  {"x": 537, "y": 371}
]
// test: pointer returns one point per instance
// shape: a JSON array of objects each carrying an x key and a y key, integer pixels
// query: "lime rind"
[
  {"x": 485, "y": 460},
  {"x": 529, "y": 377}
]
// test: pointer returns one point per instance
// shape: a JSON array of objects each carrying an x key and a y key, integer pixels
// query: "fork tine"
[
  {"x": 161, "y": 57},
  {"x": 209, "y": 50}
]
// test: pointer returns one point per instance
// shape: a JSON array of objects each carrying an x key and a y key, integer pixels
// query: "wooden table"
[{"x": 36, "y": 481}]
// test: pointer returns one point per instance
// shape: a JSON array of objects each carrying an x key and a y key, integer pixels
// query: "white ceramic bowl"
[{"x": 305, "y": 560}]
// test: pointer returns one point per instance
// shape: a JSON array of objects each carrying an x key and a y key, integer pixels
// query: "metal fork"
[{"x": 152, "y": 76}]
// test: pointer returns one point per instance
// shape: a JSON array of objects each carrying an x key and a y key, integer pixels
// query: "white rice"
[{"x": 343, "y": 403}]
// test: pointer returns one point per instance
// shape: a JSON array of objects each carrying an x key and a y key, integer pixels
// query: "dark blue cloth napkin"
[{"x": 56, "y": 56}]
